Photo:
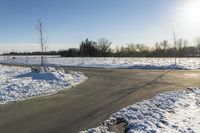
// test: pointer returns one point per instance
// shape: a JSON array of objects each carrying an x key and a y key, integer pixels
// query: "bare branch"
[{"x": 42, "y": 39}]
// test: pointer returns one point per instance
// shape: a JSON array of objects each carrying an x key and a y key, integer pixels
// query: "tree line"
[{"x": 102, "y": 48}]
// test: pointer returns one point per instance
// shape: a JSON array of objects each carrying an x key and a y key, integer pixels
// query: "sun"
[{"x": 191, "y": 11}]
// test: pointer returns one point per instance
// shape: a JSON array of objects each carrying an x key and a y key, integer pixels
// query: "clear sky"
[{"x": 68, "y": 22}]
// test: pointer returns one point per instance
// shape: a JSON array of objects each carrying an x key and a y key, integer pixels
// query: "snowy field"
[
  {"x": 17, "y": 83},
  {"x": 130, "y": 63},
  {"x": 170, "y": 112}
]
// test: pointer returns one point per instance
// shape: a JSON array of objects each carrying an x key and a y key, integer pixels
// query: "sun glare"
[{"x": 191, "y": 11}]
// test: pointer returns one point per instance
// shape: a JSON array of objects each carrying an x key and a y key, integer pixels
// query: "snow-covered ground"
[
  {"x": 131, "y": 63},
  {"x": 170, "y": 112},
  {"x": 17, "y": 83}
]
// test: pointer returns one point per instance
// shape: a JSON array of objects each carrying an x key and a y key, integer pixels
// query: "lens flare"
[{"x": 191, "y": 11}]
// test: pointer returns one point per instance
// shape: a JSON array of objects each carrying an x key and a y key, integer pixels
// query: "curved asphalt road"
[{"x": 105, "y": 92}]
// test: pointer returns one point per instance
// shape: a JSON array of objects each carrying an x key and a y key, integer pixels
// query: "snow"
[
  {"x": 174, "y": 112},
  {"x": 129, "y": 63},
  {"x": 20, "y": 83}
]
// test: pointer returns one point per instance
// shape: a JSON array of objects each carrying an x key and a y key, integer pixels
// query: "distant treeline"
[{"x": 102, "y": 48}]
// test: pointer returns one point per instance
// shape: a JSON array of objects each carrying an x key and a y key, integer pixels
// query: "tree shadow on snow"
[
  {"x": 38, "y": 76},
  {"x": 169, "y": 67}
]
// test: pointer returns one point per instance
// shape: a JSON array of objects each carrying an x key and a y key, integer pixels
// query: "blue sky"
[{"x": 68, "y": 22}]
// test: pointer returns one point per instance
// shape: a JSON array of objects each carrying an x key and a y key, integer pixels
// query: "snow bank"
[
  {"x": 129, "y": 63},
  {"x": 172, "y": 112},
  {"x": 17, "y": 83}
]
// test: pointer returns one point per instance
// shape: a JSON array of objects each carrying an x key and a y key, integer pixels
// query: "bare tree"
[
  {"x": 156, "y": 49},
  {"x": 175, "y": 45},
  {"x": 42, "y": 39},
  {"x": 197, "y": 43},
  {"x": 140, "y": 47},
  {"x": 179, "y": 46},
  {"x": 104, "y": 46},
  {"x": 131, "y": 48},
  {"x": 157, "y": 46},
  {"x": 164, "y": 46}
]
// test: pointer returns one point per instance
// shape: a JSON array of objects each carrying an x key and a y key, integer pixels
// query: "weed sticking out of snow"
[
  {"x": 174, "y": 112},
  {"x": 21, "y": 83}
]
